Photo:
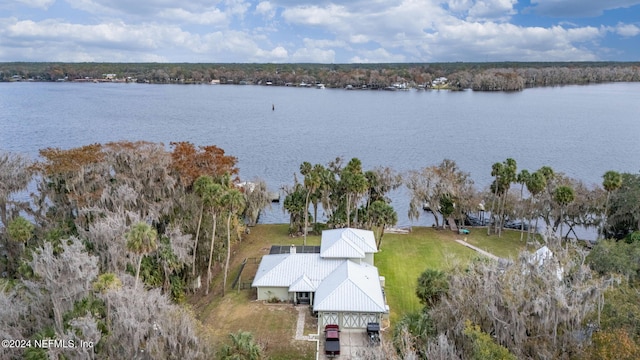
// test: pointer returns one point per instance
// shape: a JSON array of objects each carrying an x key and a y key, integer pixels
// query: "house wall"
[
  {"x": 348, "y": 320},
  {"x": 282, "y": 293},
  {"x": 368, "y": 258}
]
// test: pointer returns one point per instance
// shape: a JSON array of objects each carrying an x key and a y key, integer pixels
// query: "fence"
[{"x": 243, "y": 285}]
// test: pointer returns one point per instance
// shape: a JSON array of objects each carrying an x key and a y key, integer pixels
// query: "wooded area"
[{"x": 507, "y": 76}]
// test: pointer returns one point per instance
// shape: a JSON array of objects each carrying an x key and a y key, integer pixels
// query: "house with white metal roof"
[{"x": 340, "y": 281}]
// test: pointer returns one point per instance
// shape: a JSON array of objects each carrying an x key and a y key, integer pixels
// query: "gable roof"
[
  {"x": 303, "y": 284},
  {"x": 347, "y": 243},
  {"x": 283, "y": 270},
  {"x": 351, "y": 287}
]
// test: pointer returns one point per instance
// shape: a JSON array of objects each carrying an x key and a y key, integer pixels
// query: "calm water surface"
[{"x": 582, "y": 131}]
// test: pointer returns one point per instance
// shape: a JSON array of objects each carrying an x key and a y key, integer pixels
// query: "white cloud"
[
  {"x": 38, "y": 4},
  {"x": 210, "y": 17},
  {"x": 501, "y": 42},
  {"x": 277, "y": 54},
  {"x": 237, "y": 7},
  {"x": 266, "y": 9},
  {"x": 122, "y": 42},
  {"x": 323, "y": 43},
  {"x": 189, "y": 11},
  {"x": 359, "y": 39},
  {"x": 105, "y": 35},
  {"x": 230, "y": 45},
  {"x": 315, "y": 15},
  {"x": 326, "y": 31},
  {"x": 458, "y": 6},
  {"x": 627, "y": 30},
  {"x": 389, "y": 27},
  {"x": 140, "y": 7},
  {"x": 379, "y": 55},
  {"x": 314, "y": 55},
  {"x": 496, "y": 10}
]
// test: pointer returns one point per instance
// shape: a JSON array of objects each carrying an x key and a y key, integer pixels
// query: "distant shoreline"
[{"x": 498, "y": 76}]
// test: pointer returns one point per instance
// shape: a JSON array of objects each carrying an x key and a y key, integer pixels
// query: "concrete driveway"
[{"x": 352, "y": 344}]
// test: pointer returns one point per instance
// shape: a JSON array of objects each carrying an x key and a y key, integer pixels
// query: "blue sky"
[{"x": 319, "y": 31}]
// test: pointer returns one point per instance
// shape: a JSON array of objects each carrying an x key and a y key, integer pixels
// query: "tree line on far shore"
[{"x": 507, "y": 76}]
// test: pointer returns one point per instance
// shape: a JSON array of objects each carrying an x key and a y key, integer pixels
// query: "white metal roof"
[
  {"x": 351, "y": 287},
  {"x": 347, "y": 243},
  {"x": 282, "y": 270},
  {"x": 303, "y": 284},
  {"x": 339, "y": 284}
]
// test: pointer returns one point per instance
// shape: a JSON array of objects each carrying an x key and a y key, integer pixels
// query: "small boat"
[{"x": 319, "y": 86}]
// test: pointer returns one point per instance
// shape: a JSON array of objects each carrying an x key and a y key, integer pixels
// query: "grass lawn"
[
  {"x": 272, "y": 325},
  {"x": 401, "y": 260},
  {"x": 404, "y": 257},
  {"x": 506, "y": 246}
]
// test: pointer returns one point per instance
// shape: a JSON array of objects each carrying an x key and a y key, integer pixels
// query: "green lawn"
[
  {"x": 506, "y": 246},
  {"x": 272, "y": 325},
  {"x": 404, "y": 257}
]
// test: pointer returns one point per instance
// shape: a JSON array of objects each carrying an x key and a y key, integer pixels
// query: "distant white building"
[
  {"x": 339, "y": 280},
  {"x": 439, "y": 81}
]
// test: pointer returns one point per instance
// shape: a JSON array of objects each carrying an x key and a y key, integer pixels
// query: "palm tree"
[
  {"x": 213, "y": 194},
  {"x": 242, "y": 347},
  {"x": 522, "y": 178},
  {"x": 233, "y": 201},
  {"x": 612, "y": 181},
  {"x": 312, "y": 182},
  {"x": 382, "y": 214},
  {"x": 329, "y": 186},
  {"x": 496, "y": 170},
  {"x": 294, "y": 204},
  {"x": 536, "y": 183},
  {"x": 141, "y": 240},
  {"x": 508, "y": 176},
  {"x": 354, "y": 184},
  {"x": 107, "y": 282},
  {"x": 563, "y": 196},
  {"x": 199, "y": 187},
  {"x": 320, "y": 173},
  {"x": 20, "y": 230}
]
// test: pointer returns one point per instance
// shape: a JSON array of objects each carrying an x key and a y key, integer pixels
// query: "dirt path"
[{"x": 485, "y": 253}]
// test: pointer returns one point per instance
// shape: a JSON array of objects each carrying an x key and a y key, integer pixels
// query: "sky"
[{"x": 319, "y": 31}]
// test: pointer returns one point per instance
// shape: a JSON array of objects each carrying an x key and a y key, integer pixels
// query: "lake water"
[{"x": 582, "y": 131}]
